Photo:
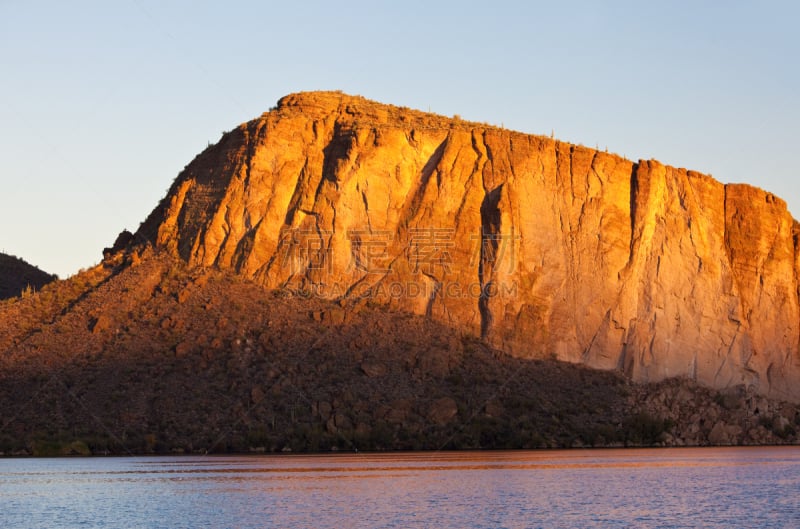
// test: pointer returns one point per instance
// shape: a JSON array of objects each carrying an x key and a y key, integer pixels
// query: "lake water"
[{"x": 707, "y": 487}]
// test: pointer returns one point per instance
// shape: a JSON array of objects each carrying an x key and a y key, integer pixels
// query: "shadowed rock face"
[{"x": 543, "y": 248}]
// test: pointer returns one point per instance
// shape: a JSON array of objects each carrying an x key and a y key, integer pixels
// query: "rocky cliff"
[{"x": 542, "y": 248}]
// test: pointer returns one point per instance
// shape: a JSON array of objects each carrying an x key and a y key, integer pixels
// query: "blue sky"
[{"x": 105, "y": 102}]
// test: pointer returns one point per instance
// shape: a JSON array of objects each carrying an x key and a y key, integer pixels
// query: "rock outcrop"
[{"x": 542, "y": 248}]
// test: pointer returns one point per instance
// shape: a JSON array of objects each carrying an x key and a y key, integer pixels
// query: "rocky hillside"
[
  {"x": 341, "y": 274},
  {"x": 189, "y": 359},
  {"x": 18, "y": 277},
  {"x": 540, "y": 248}
]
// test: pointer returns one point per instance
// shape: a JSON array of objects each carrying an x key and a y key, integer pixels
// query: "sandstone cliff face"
[{"x": 541, "y": 247}]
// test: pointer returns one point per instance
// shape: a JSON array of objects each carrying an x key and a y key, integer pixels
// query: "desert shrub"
[
  {"x": 766, "y": 421},
  {"x": 381, "y": 436},
  {"x": 644, "y": 429},
  {"x": 9, "y": 444},
  {"x": 727, "y": 401},
  {"x": 785, "y": 433},
  {"x": 775, "y": 426}
]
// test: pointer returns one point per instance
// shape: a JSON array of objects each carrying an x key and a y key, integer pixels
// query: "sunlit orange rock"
[{"x": 543, "y": 248}]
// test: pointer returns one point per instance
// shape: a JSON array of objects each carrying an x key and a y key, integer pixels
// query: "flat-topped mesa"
[
  {"x": 359, "y": 111},
  {"x": 541, "y": 247}
]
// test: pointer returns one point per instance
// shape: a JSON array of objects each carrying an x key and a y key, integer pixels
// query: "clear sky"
[{"x": 103, "y": 103}]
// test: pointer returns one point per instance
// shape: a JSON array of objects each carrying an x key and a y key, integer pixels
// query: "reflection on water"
[{"x": 709, "y": 487}]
